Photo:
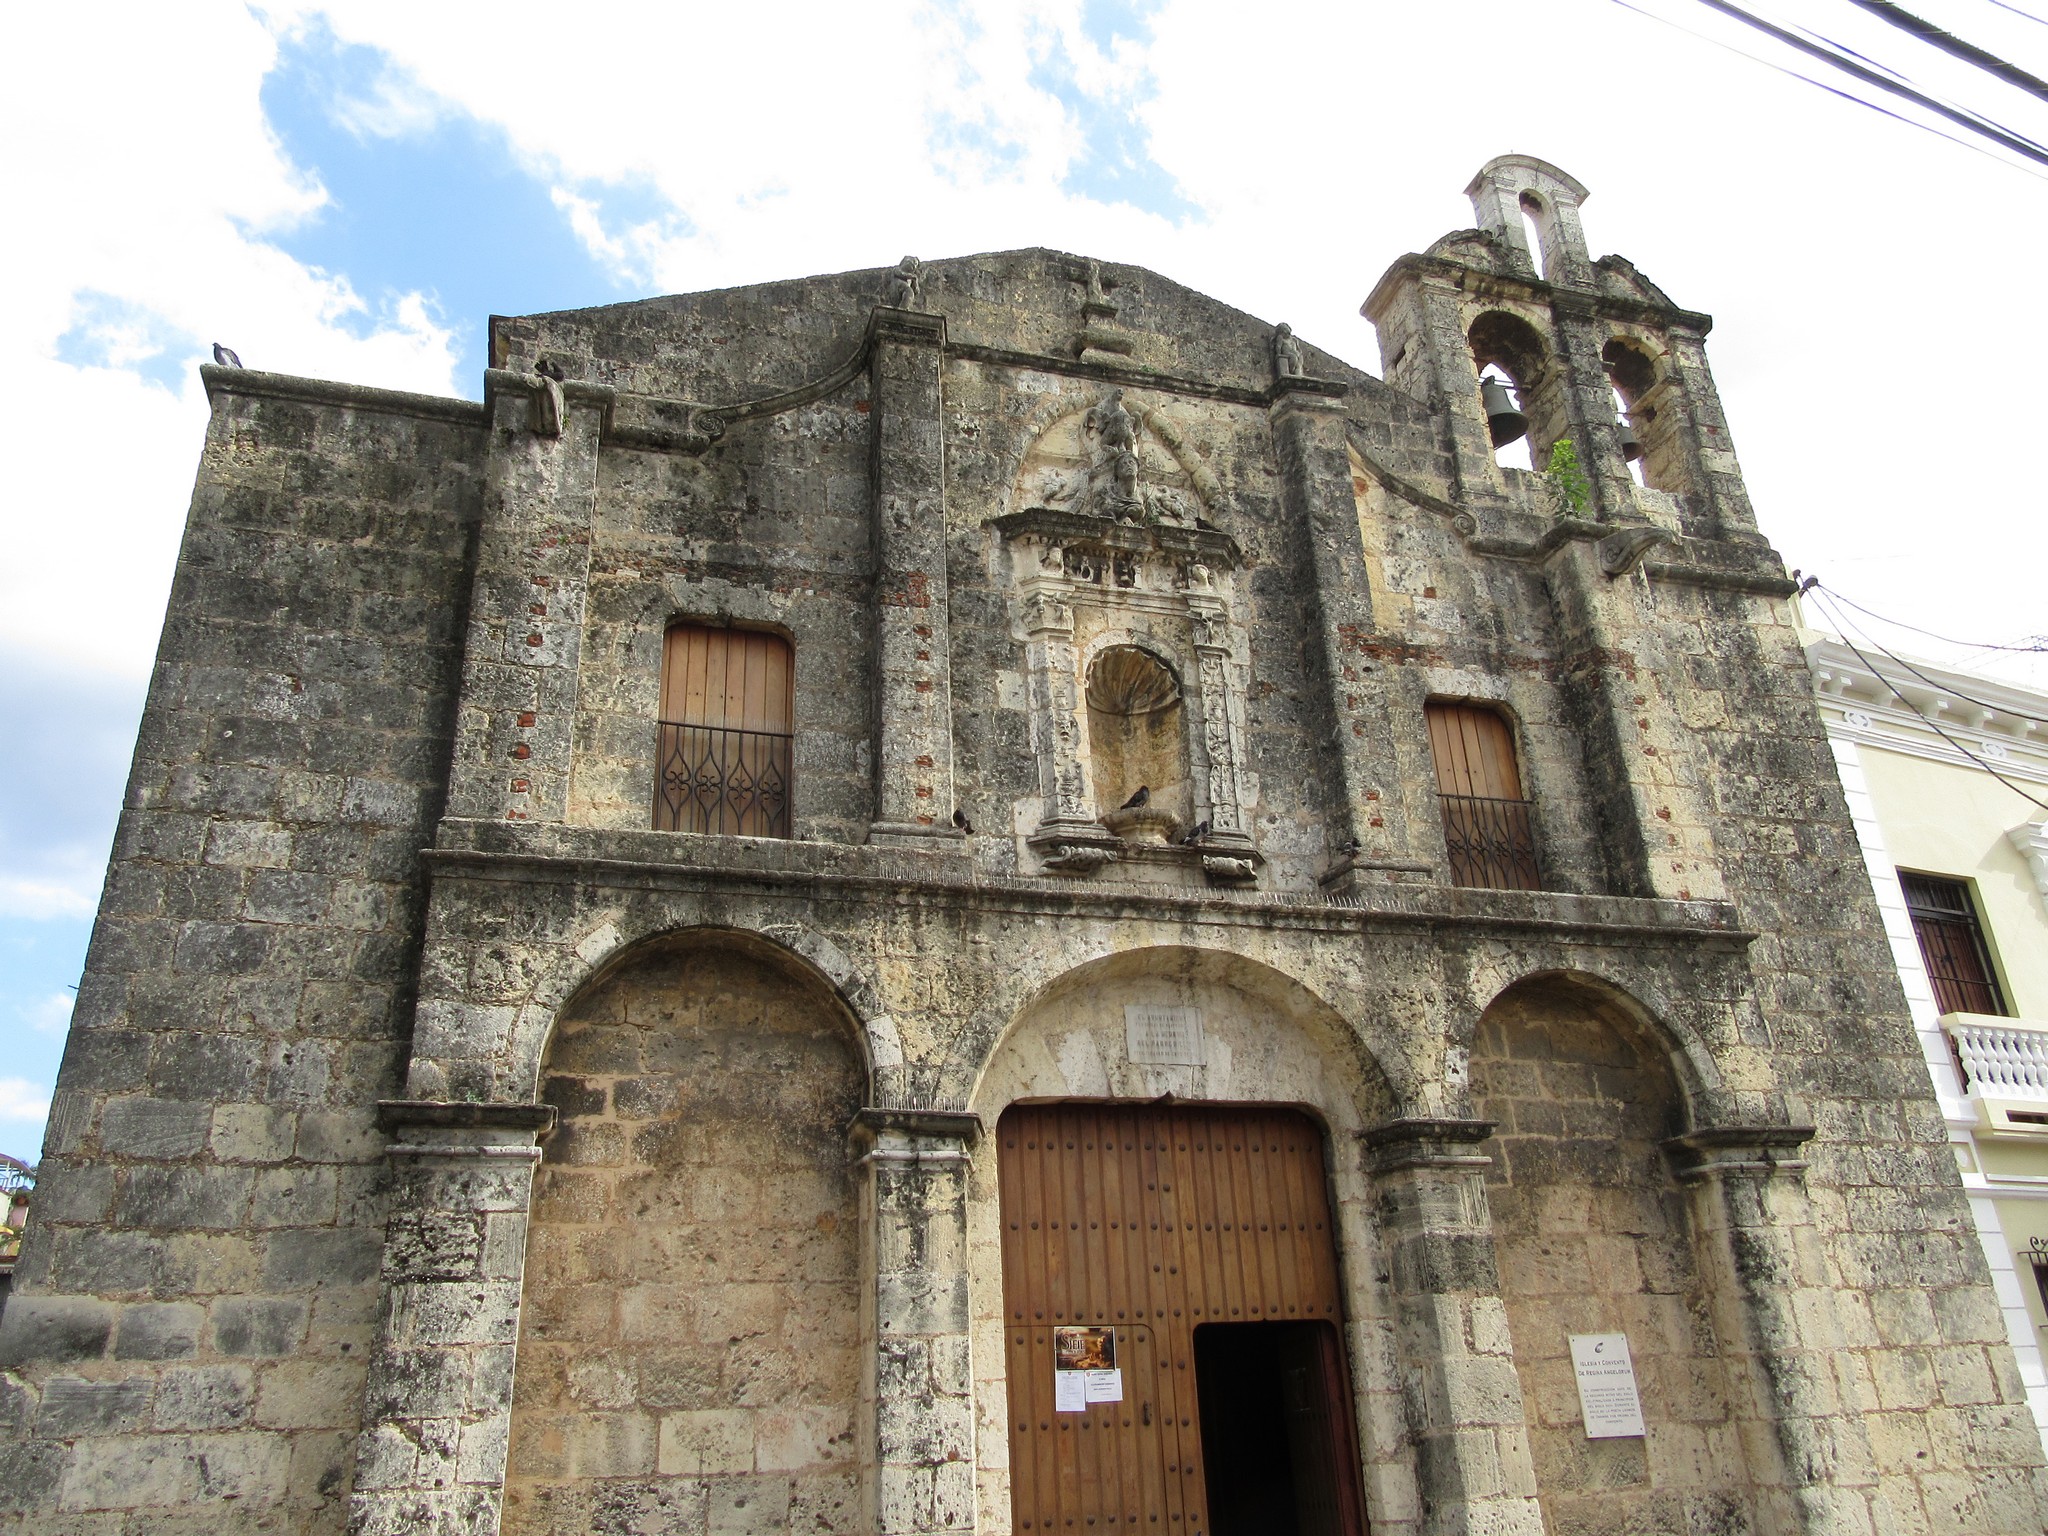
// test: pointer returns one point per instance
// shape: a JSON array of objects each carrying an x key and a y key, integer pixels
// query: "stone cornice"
[
  {"x": 553, "y": 855},
  {"x": 1484, "y": 283},
  {"x": 257, "y": 385}
]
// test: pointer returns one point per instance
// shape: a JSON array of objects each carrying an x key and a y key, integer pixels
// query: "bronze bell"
[
  {"x": 1503, "y": 420},
  {"x": 1631, "y": 445}
]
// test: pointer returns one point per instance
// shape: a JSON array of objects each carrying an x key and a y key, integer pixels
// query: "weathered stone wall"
[
  {"x": 196, "y": 1294},
  {"x": 690, "y": 1330},
  {"x": 200, "y": 1286},
  {"x": 1594, "y": 1238}
]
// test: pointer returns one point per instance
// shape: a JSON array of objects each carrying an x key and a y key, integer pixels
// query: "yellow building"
[{"x": 1946, "y": 772}]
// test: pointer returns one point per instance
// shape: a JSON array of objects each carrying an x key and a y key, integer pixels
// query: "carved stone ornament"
[
  {"x": 1111, "y": 554},
  {"x": 1078, "y": 859},
  {"x": 906, "y": 284},
  {"x": 1287, "y": 362},
  {"x": 1228, "y": 871}
]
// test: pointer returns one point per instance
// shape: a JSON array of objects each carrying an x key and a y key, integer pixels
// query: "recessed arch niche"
[
  {"x": 690, "y": 1321},
  {"x": 1595, "y": 1236},
  {"x": 1137, "y": 731}
]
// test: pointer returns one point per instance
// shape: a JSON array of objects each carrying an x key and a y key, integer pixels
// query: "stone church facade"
[{"x": 990, "y": 897}]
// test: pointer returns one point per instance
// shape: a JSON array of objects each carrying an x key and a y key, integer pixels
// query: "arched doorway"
[
  {"x": 690, "y": 1346},
  {"x": 1212, "y": 1185}
]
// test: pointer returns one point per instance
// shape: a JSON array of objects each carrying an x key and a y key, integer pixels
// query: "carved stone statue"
[
  {"x": 1286, "y": 352},
  {"x": 1113, "y": 476},
  {"x": 906, "y": 284}
]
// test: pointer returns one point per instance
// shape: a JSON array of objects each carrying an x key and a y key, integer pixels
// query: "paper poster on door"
[
  {"x": 1084, "y": 1369},
  {"x": 1607, "y": 1386}
]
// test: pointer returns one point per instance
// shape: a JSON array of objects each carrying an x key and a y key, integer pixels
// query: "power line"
[
  {"x": 1972, "y": 645},
  {"x": 1819, "y": 85},
  {"x": 1948, "y": 42},
  {"x": 1944, "y": 735},
  {"x": 2037, "y": 21},
  {"x": 1879, "y": 645},
  {"x": 1980, "y": 126}
]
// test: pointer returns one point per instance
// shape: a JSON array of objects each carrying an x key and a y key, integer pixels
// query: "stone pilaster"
[
  {"x": 1464, "y": 1400},
  {"x": 1315, "y": 471},
  {"x": 1779, "y": 1329},
  {"x": 515, "y": 728},
  {"x": 1056, "y": 712},
  {"x": 1644, "y": 766},
  {"x": 1712, "y": 449},
  {"x": 922, "y": 1392},
  {"x": 437, "y": 1409},
  {"x": 913, "y": 674}
]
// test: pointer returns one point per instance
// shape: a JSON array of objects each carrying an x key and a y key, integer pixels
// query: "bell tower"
[{"x": 1598, "y": 356}]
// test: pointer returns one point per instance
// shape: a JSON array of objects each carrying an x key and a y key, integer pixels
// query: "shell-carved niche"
[{"x": 1126, "y": 599}]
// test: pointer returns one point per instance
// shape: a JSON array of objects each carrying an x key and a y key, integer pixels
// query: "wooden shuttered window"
[
  {"x": 723, "y": 758},
  {"x": 1487, "y": 830},
  {"x": 1951, "y": 944}
]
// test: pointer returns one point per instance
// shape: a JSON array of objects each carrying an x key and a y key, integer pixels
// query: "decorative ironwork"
[
  {"x": 734, "y": 783},
  {"x": 1491, "y": 843}
]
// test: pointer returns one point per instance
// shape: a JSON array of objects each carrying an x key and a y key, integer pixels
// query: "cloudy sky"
[{"x": 347, "y": 191}]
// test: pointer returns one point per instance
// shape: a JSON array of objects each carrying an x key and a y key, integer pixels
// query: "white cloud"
[
  {"x": 51, "y": 1015},
  {"x": 21, "y": 1099},
  {"x": 150, "y": 181}
]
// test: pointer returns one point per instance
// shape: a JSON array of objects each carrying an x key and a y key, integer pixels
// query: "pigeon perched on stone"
[
  {"x": 225, "y": 356},
  {"x": 1142, "y": 797},
  {"x": 960, "y": 820},
  {"x": 1196, "y": 833}
]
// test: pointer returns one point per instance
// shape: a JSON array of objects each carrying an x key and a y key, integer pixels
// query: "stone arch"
[
  {"x": 613, "y": 938},
  {"x": 1287, "y": 1046},
  {"x": 965, "y": 1078},
  {"x": 690, "y": 1316},
  {"x": 1651, "y": 1017},
  {"x": 1596, "y": 1235}
]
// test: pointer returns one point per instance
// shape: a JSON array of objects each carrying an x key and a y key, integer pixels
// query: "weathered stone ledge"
[
  {"x": 257, "y": 384},
  {"x": 556, "y": 854}
]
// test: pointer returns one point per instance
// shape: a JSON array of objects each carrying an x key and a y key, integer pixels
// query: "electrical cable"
[
  {"x": 1849, "y": 96},
  {"x": 1971, "y": 645},
  {"x": 1850, "y": 67},
  {"x": 1948, "y": 42},
  {"x": 1944, "y": 735},
  {"x": 2018, "y": 12},
  {"x": 1879, "y": 645},
  {"x": 1842, "y": 47}
]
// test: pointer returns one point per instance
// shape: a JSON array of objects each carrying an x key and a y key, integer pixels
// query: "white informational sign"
[
  {"x": 1103, "y": 1386},
  {"x": 1607, "y": 1386},
  {"x": 1162, "y": 1035},
  {"x": 1069, "y": 1392}
]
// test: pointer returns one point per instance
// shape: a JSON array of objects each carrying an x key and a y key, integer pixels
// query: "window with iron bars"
[
  {"x": 1952, "y": 944},
  {"x": 1488, "y": 833},
  {"x": 723, "y": 746}
]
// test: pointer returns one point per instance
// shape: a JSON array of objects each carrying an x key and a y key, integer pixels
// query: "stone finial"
[
  {"x": 1287, "y": 362},
  {"x": 906, "y": 284}
]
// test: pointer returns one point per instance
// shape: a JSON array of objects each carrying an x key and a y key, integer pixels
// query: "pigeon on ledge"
[{"x": 225, "y": 356}]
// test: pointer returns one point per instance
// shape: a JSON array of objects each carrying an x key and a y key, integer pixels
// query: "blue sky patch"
[
  {"x": 1116, "y": 164},
  {"x": 428, "y": 199}
]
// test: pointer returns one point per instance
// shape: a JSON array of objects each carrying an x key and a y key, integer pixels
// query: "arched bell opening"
[
  {"x": 1520, "y": 389},
  {"x": 1138, "y": 746},
  {"x": 1651, "y": 439},
  {"x": 1596, "y": 1238}
]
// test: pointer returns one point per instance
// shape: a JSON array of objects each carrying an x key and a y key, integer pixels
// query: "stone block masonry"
[{"x": 441, "y": 1147}]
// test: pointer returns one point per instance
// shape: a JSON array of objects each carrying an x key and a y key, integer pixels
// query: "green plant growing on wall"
[{"x": 1574, "y": 490}]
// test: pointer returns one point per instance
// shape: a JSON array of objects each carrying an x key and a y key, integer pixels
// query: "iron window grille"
[
  {"x": 723, "y": 781},
  {"x": 1952, "y": 944}
]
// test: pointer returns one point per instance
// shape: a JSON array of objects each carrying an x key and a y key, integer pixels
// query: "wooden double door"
[{"x": 1171, "y": 1298}]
